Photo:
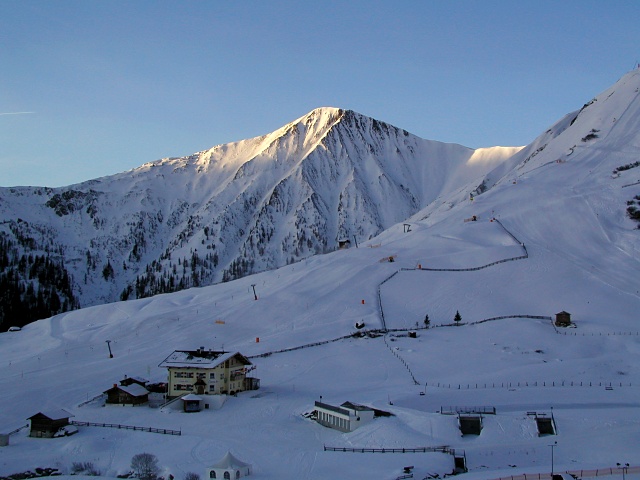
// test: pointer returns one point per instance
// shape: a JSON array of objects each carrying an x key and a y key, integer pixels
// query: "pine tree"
[
  {"x": 427, "y": 322},
  {"x": 457, "y": 318},
  {"x": 107, "y": 271}
]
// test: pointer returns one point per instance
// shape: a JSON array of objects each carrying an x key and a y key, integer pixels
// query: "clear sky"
[{"x": 92, "y": 88}]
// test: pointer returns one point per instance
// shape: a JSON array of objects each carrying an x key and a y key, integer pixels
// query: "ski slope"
[{"x": 581, "y": 257}]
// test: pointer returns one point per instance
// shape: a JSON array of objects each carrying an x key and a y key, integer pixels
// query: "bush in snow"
[
  {"x": 632, "y": 209},
  {"x": 84, "y": 468},
  {"x": 145, "y": 466}
]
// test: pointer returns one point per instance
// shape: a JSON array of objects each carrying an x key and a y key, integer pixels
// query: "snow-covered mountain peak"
[
  {"x": 240, "y": 207},
  {"x": 609, "y": 122}
]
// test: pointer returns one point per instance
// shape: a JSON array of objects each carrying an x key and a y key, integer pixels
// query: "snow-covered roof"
[
  {"x": 200, "y": 358},
  {"x": 54, "y": 414},
  {"x": 134, "y": 389},
  {"x": 355, "y": 406},
  {"x": 229, "y": 461},
  {"x": 332, "y": 408},
  {"x": 191, "y": 397}
]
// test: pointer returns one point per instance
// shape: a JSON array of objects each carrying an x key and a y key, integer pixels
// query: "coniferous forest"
[{"x": 32, "y": 286}]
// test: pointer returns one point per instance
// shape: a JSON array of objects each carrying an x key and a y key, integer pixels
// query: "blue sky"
[{"x": 114, "y": 84}]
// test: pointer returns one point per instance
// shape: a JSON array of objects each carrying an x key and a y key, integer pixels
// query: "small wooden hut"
[
  {"x": 563, "y": 319},
  {"x": 46, "y": 424},
  {"x": 191, "y": 403}
]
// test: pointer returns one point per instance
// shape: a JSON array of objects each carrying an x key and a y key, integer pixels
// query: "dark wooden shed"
[
  {"x": 133, "y": 394},
  {"x": 563, "y": 319},
  {"x": 46, "y": 424}
]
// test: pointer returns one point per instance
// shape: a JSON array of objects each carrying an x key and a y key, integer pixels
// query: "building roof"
[
  {"x": 134, "y": 379},
  {"x": 135, "y": 390},
  {"x": 191, "y": 398},
  {"x": 200, "y": 358},
  {"x": 229, "y": 461},
  {"x": 53, "y": 414},
  {"x": 356, "y": 407},
  {"x": 332, "y": 408}
]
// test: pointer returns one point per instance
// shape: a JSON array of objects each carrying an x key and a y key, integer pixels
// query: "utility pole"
[
  {"x": 109, "y": 346},
  {"x": 553, "y": 445},
  {"x": 253, "y": 285}
]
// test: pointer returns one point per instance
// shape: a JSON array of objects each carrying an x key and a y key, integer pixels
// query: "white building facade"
[
  {"x": 207, "y": 372},
  {"x": 345, "y": 418}
]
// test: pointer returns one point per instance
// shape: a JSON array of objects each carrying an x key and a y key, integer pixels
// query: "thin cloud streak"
[{"x": 15, "y": 113}]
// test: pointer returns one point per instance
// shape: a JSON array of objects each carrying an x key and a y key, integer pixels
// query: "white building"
[
  {"x": 208, "y": 372},
  {"x": 346, "y": 418}
]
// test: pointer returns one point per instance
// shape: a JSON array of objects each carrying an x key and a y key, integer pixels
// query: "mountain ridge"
[{"x": 236, "y": 208}]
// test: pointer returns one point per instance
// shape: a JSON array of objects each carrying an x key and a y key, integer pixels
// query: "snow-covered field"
[{"x": 582, "y": 258}]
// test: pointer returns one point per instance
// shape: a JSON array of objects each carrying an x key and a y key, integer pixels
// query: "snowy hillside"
[
  {"x": 563, "y": 240},
  {"x": 238, "y": 208}
]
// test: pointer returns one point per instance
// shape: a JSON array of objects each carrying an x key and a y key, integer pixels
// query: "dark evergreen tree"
[{"x": 107, "y": 271}]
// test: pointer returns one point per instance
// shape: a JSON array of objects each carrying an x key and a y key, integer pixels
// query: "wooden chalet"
[
  {"x": 133, "y": 394},
  {"x": 46, "y": 424}
]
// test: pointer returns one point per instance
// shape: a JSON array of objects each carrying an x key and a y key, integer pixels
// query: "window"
[
  {"x": 227, "y": 475},
  {"x": 212, "y": 376},
  {"x": 212, "y": 474}
]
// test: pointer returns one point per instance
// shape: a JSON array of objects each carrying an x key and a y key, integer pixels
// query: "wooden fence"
[
  {"x": 502, "y": 317},
  {"x": 600, "y": 472},
  {"x": 12, "y": 432},
  {"x": 484, "y": 410},
  {"x": 441, "y": 449},
  {"x": 415, "y": 382},
  {"x": 92, "y": 399},
  {"x": 163, "y": 431},
  {"x": 536, "y": 383}
]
